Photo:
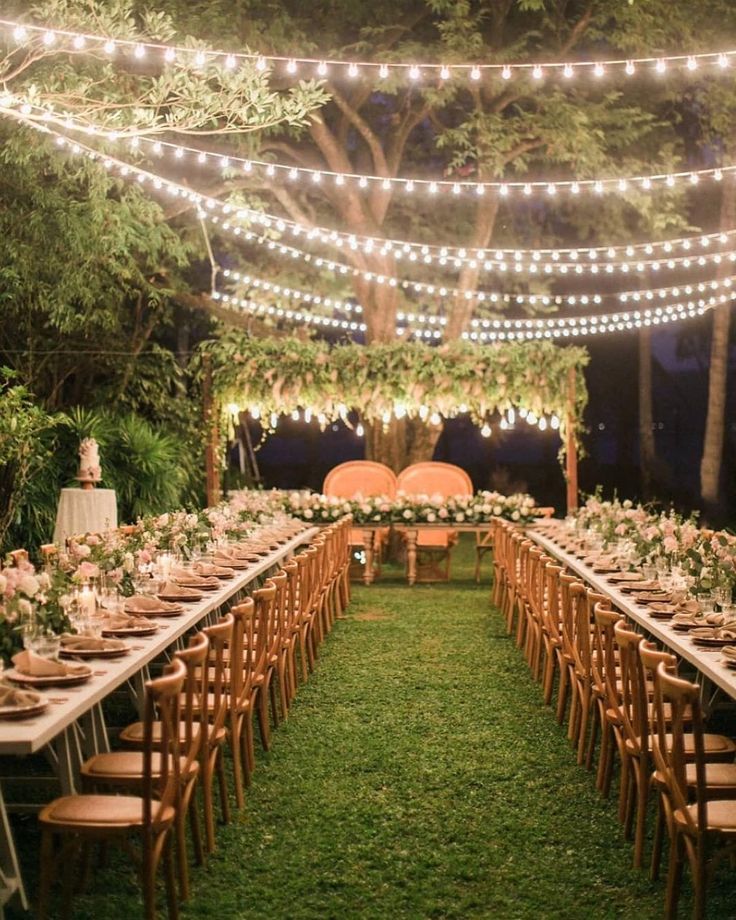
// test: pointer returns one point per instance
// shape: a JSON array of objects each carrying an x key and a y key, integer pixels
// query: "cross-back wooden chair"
[
  {"x": 551, "y": 628},
  {"x": 606, "y": 691},
  {"x": 87, "y": 819},
  {"x": 124, "y": 770},
  {"x": 697, "y": 821}
]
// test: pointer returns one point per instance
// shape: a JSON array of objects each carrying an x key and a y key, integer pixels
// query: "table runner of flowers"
[{"x": 706, "y": 557}]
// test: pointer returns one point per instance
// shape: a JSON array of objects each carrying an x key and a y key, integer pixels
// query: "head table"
[
  {"x": 708, "y": 661},
  {"x": 72, "y": 728}
]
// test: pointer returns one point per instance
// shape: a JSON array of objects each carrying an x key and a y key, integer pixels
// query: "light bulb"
[
  {"x": 486, "y": 431},
  {"x": 567, "y": 71},
  {"x": 353, "y": 70},
  {"x": 255, "y": 412},
  {"x": 230, "y": 62},
  {"x": 599, "y": 70},
  {"x": 630, "y": 69},
  {"x": 537, "y": 72},
  {"x": 506, "y": 72},
  {"x": 49, "y": 38},
  {"x": 435, "y": 418},
  {"x": 295, "y": 415},
  {"x": 274, "y": 420},
  {"x": 291, "y": 67},
  {"x": 139, "y": 51},
  {"x": 414, "y": 72},
  {"x": 359, "y": 430},
  {"x": 475, "y": 73},
  {"x": 322, "y": 69},
  {"x": 444, "y": 72},
  {"x": 542, "y": 424}
]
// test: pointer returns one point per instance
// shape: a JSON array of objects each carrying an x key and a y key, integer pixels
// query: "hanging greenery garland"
[{"x": 274, "y": 377}]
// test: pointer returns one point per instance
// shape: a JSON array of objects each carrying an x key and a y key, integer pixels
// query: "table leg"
[
  {"x": 95, "y": 732},
  {"x": 369, "y": 539},
  {"x": 9, "y": 867},
  {"x": 69, "y": 761},
  {"x": 411, "y": 556},
  {"x": 137, "y": 685}
]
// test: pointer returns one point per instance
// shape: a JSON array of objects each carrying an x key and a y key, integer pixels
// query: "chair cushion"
[
  {"x": 125, "y": 765},
  {"x": 721, "y": 815},
  {"x": 99, "y": 811}
]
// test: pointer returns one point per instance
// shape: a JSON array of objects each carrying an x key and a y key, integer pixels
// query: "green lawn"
[{"x": 417, "y": 776}]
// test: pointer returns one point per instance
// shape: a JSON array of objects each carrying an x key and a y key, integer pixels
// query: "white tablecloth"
[{"x": 85, "y": 511}]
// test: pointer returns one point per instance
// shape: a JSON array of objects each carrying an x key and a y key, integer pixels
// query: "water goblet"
[{"x": 722, "y": 596}]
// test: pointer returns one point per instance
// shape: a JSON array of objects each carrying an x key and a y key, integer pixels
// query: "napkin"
[
  {"x": 11, "y": 696},
  {"x": 171, "y": 589},
  {"x": 28, "y": 662},
  {"x": 142, "y": 603},
  {"x": 207, "y": 569},
  {"x": 121, "y": 621},
  {"x": 182, "y": 577},
  {"x": 729, "y": 651},
  {"x": 71, "y": 642}
]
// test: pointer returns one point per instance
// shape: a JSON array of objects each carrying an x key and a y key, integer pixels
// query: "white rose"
[
  {"x": 83, "y": 550},
  {"x": 497, "y": 510},
  {"x": 408, "y": 515},
  {"x": 308, "y": 514},
  {"x": 24, "y": 607},
  {"x": 431, "y": 518},
  {"x": 460, "y": 517},
  {"x": 515, "y": 516},
  {"x": 29, "y": 585},
  {"x": 128, "y": 562}
]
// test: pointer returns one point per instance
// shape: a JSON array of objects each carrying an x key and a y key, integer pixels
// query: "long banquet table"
[
  {"x": 708, "y": 661},
  {"x": 72, "y": 728}
]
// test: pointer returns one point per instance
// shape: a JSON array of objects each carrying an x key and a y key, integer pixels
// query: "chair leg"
[
  {"x": 196, "y": 830},
  {"x": 181, "y": 854},
  {"x": 592, "y": 741},
  {"x": 583, "y": 727},
  {"x": 642, "y": 789},
  {"x": 47, "y": 873},
  {"x": 170, "y": 877},
  {"x": 222, "y": 784},
  {"x": 236, "y": 752},
  {"x": 562, "y": 693},
  {"x": 658, "y": 841},
  {"x": 674, "y": 878},
  {"x": 263, "y": 723},
  {"x": 208, "y": 804}
]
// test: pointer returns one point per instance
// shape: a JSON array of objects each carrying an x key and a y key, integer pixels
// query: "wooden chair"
[
  {"x": 607, "y": 691},
  {"x": 583, "y": 728},
  {"x": 696, "y": 819},
  {"x": 720, "y": 771},
  {"x": 367, "y": 479},
  {"x": 551, "y": 628},
  {"x": 264, "y": 599},
  {"x": 78, "y": 820},
  {"x": 636, "y": 659},
  {"x": 434, "y": 546},
  {"x": 124, "y": 770}
]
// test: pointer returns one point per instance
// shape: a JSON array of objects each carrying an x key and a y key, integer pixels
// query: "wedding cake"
[{"x": 89, "y": 461}]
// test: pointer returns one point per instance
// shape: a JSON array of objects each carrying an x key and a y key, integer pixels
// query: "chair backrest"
[
  {"x": 195, "y": 710},
  {"x": 360, "y": 477},
  {"x": 221, "y": 645},
  {"x": 264, "y": 599},
  {"x": 162, "y": 704},
  {"x": 668, "y": 743},
  {"x": 604, "y": 655},
  {"x": 435, "y": 478},
  {"x": 634, "y": 695},
  {"x": 552, "y": 573},
  {"x": 242, "y": 652}
]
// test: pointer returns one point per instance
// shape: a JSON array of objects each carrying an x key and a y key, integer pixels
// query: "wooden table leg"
[
  {"x": 411, "y": 556},
  {"x": 369, "y": 540}
]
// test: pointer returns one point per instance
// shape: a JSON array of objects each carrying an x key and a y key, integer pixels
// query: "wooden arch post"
[
  {"x": 571, "y": 452},
  {"x": 211, "y": 449}
]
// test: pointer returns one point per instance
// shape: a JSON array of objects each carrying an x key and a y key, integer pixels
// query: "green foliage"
[
  {"x": 281, "y": 375},
  {"x": 147, "y": 466},
  {"x": 23, "y": 426}
]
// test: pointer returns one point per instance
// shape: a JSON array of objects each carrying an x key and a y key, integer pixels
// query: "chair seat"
[
  {"x": 133, "y": 734},
  {"x": 721, "y": 815},
  {"x": 126, "y": 766},
  {"x": 713, "y": 745},
  {"x": 103, "y": 812}
]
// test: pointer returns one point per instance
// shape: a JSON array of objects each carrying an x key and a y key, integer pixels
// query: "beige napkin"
[
  {"x": 729, "y": 651},
  {"x": 71, "y": 642},
  {"x": 120, "y": 621},
  {"x": 28, "y": 662},
  {"x": 171, "y": 589},
  {"x": 191, "y": 580},
  {"x": 690, "y": 607},
  {"x": 11, "y": 696},
  {"x": 207, "y": 569},
  {"x": 142, "y": 603}
]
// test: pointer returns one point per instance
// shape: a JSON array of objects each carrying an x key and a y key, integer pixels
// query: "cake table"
[{"x": 85, "y": 511}]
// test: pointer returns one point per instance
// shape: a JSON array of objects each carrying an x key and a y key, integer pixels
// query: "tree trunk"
[
  {"x": 710, "y": 464},
  {"x": 387, "y": 443},
  {"x": 646, "y": 420}
]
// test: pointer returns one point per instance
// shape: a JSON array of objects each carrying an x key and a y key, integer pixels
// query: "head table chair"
[
  {"x": 362, "y": 479},
  {"x": 435, "y": 478}
]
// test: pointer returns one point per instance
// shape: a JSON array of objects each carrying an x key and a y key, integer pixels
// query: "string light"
[
  {"x": 22, "y": 33},
  {"x": 302, "y": 317},
  {"x": 281, "y": 172},
  {"x": 580, "y": 260},
  {"x": 207, "y": 206}
]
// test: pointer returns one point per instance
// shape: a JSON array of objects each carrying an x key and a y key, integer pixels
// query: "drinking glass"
[{"x": 722, "y": 596}]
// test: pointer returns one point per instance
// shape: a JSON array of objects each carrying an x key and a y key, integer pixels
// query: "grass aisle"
[{"x": 418, "y": 776}]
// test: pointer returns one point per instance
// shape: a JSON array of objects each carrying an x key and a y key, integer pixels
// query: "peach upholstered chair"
[
  {"x": 364, "y": 478},
  {"x": 434, "y": 478}
]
